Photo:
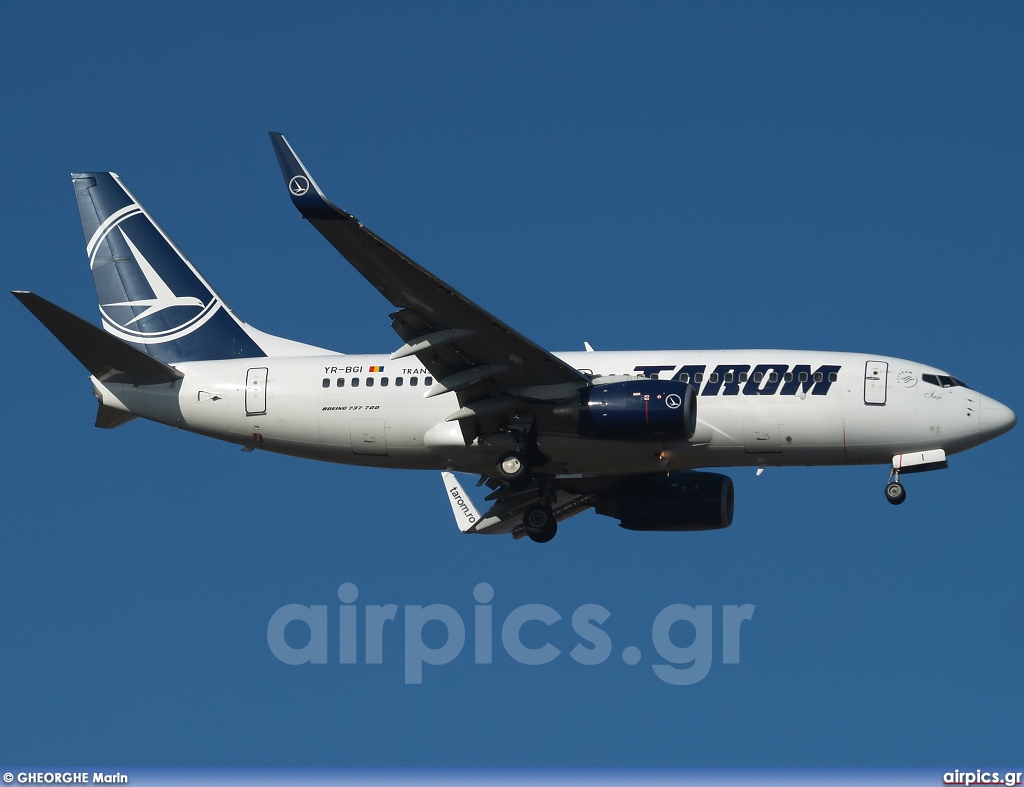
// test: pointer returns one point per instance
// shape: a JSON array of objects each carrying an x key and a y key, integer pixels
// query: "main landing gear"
[
  {"x": 539, "y": 519},
  {"x": 515, "y": 470},
  {"x": 540, "y": 523},
  {"x": 894, "y": 491}
]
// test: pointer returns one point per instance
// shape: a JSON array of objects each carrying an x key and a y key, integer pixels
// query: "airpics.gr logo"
[
  {"x": 129, "y": 319},
  {"x": 529, "y": 634}
]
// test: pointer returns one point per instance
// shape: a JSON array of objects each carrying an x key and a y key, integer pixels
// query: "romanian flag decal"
[{"x": 376, "y": 368}]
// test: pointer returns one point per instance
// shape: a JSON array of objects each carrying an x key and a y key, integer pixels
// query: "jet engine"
[
  {"x": 676, "y": 501},
  {"x": 635, "y": 409}
]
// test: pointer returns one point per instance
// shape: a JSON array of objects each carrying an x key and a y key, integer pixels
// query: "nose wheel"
[{"x": 894, "y": 491}]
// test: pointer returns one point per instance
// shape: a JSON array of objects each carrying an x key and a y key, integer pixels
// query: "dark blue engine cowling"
[
  {"x": 639, "y": 408},
  {"x": 681, "y": 500}
]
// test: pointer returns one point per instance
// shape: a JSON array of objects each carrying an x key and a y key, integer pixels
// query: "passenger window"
[
  {"x": 758, "y": 376},
  {"x": 369, "y": 382},
  {"x": 713, "y": 377},
  {"x": 355, "y": 382},
  {"x": 743, "y": 377},
  {"x": 428, "y": 380},
  {"x": 398, "y": 382},
  {"x": 698, "y": 377},
  {"x": 684, "y": 377},
  {"x": 412, "y": 381},
  {"x": 383, "y": 382},
  {"x": 802, "y": 377},
  {"x": 727, "y": 377},
  {"x": 832, "y": 377},
  {"x": 818, "y": 377},
  {"x": 773, "y": 377},
  {"x": 327, "y": 382},
  {"x": 788, "y": 377}
]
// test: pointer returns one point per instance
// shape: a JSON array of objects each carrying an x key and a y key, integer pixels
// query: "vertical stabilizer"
[{"x": 149, "y": 294}]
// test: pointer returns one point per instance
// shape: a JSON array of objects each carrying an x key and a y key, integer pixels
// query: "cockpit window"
[{"x": 943, "y": 381}]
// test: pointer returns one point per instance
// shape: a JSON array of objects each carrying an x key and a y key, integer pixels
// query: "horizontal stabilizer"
[{"x": 106, "y": 357}]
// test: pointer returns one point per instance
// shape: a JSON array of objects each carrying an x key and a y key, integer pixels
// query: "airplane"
[{"x": 628, "y": 434}]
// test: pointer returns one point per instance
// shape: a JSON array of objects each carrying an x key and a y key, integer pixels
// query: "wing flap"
[{"x": 505, "y": 516}]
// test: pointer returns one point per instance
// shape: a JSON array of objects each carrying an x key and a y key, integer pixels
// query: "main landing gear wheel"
[
  {"x": 540, "y": 524},
  {"x": 895, "y": 493},
  {"x": 513, "y": 469}
]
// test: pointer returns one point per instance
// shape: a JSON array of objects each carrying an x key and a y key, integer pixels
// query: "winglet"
[{"x": 306, "y": 195}]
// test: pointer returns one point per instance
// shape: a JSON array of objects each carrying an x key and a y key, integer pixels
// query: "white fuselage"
[{"x": 803, "y": 408}]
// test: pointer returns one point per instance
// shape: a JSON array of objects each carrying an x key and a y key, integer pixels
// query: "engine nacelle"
[
  {"x": 638, "y": 408},
  {"x": 677, "y": 501}
]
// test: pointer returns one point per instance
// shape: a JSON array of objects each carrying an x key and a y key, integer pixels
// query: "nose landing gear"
[{"x": 894, "y": 491}]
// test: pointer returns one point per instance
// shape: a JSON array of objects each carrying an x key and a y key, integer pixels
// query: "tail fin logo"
[
  {"x": 161, "y": 314},
  {"x": 163, "y": 297},
  {"x": 298, "y": 185}
]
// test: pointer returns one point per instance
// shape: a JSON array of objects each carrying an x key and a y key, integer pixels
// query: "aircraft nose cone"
[{"x": 996, "y": 418}]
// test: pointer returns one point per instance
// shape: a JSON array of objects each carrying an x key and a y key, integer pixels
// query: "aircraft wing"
[{"x": 464, "y": 347}]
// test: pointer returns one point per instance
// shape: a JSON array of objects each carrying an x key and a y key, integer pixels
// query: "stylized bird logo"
[{"x": 163, "y": 297}]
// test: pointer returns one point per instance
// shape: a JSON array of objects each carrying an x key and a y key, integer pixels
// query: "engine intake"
[
  {"x": 637, "y": 409},
  {"x": 677, "y": 501}
]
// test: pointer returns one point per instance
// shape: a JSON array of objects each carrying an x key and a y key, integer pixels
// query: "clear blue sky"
[{"x": 657, "y": 175}]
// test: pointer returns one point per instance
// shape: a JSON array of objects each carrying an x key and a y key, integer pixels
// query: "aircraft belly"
[{"x": 790, "y": 431}]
